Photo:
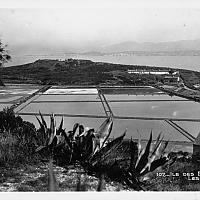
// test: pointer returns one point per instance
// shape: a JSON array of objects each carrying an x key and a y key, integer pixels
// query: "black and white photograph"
[{"x": 100, "y": 96}]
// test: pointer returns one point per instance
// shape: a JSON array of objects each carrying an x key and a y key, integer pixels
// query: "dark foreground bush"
[{"x": 17, "y": 140}]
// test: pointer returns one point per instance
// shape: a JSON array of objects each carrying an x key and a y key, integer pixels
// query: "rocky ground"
[{"x": 34, "y": 179}]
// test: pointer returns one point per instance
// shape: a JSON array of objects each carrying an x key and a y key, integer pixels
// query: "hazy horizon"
[{"x": 93, "y": 25}]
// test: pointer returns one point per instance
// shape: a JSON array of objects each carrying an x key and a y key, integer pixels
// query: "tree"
[{"x": 4, "y": 56}]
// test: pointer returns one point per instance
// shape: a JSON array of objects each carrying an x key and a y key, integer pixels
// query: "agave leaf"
[
  {"x": 53, "y": 143},
  {"x": 53, "y": 124},
  {"x": 133, "y": 150},
  {"x": 157, "y": 163},
  {"x": 87, "y": 145},
  {"x": 41, "y": 125},
  {"x": 156, "y": 143},
  {"x": 164, "y": 147},
  {"x": 60, "y": 127},
  {"x": 139, "y": 144},
  {"x": 81, "y": 129},
  {"x": 73, "y": 132},
  {"x": 105, "y": 128},
  {"x": 96, "y": 145},
  {"x": 84, "y": 131},
  {"x": 104, "y": 152},
  {"x": 76, "y": 125},
  {"x": 52, "y": 129},
  {"x": 43, "y": 133},
  {"x": 59, "y": 139},
  {"x": 139, "y": 157},
  {"x": 143, "y": 160},
  {"x": 67, "y": 140},
  {"x": 45, "y": 136},
  {"x": 108, "y": 135},
  {"x": 152, "y": 158},
  {"x": 140, "y": 150},
  {"x": 157, "y": 146},
  {"x": 43, "y": 121},
  {"x": 90, "y": 132}
]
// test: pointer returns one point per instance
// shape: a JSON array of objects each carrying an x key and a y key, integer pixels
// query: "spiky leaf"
[
  {"x": 133, "y": 152},
  {"x": 81, "y": 129},
  {"x": 52, "y": 129},
  {"x": 60, "y": 127},
  {"x": 144, "y": 157},
  {"x": 157, "y": 163},
  {"x": 107, "y": 150},
  {"x": 105, "y": 128},
  {"x": 76, "y": 125},
  {"x": 43, "y": 121},
  {"x": 107, "y": 136}
]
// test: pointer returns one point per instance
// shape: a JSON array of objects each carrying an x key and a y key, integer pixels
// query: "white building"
[{"x": 143, "y": 71}]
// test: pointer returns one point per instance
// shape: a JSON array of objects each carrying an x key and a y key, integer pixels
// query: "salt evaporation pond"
[
  {"x": 74, "y": 101},
  {"x": 140, "y": 102}
]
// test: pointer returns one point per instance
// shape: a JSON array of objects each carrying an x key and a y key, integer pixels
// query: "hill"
[{"x": 85, "y": 72}]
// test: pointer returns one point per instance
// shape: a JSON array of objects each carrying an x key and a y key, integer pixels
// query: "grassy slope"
[{"x": 190, "y": 78}]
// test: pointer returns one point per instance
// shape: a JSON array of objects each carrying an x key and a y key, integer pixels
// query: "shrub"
[{"x": 17, "y": 139}]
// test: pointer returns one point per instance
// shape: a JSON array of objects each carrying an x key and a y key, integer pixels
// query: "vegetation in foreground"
[
  {"x": 4, "y": 57},
  {"x": 52, "y": 158}
]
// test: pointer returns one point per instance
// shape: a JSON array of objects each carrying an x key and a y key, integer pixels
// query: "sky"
[{"x": 68, "y": 25}]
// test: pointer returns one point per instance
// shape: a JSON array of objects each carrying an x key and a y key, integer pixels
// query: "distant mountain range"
[{"x": 182, "y": 45}]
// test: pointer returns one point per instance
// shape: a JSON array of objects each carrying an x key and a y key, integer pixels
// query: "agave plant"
[
  {"x": 51, "y": 137},
  {"x": 83, "y": 142},
  {"x": 93, "y": 150},
  {"x": 103, "y": 132},
  {"x": 79, "y": 142},
  {"x": 149, "y": 158}
]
